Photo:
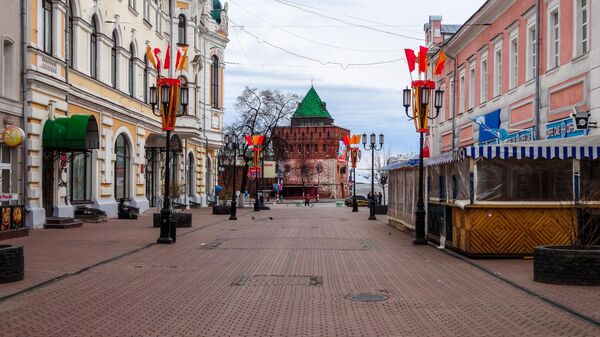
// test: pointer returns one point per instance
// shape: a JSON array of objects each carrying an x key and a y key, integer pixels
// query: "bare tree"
[
  {"x": 382, "y": 159},
  {"x": 259, "y": 113}
]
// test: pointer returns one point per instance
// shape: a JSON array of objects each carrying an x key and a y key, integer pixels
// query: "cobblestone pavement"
[{"x": 285, "y": 276}]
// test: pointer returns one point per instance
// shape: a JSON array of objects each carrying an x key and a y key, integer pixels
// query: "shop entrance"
[
  {"x": 48, "y": 183},
  {"x": 150, "y": 175}
]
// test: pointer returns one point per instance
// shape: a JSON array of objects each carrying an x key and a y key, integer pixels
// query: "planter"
[
  {"x": 221, "y": 210},
  {"x": 381, "y": 210},
  {"x": 183, "y": 220},
  {"x": 567, "y": 265},
  {"x": 12, "y": 265}
]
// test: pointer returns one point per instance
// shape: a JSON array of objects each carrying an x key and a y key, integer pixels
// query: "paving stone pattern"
[{"x": 261, "y": 280}]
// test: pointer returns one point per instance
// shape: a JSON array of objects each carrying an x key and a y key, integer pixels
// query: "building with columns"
[{"x": 92, "y": 137}]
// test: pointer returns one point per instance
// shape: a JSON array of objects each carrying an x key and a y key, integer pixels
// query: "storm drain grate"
[
  {"x": 212, "y": 245},
  {"x": 364, "y": 297},
  {"x": 277, "y": 280},
  {"x": 369, "y": 244}
]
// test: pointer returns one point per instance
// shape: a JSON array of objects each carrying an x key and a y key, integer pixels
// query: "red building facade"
[{"x": 310, "y": 158}]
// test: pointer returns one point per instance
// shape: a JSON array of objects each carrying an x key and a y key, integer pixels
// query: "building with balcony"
[{"x": 92, "y": 137}]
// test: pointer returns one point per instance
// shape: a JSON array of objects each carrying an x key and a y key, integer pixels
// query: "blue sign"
[
  {"x": 564, "y": 128},
  {"x": 488, "y": 126},
  {"x": 525, "y": 135}
]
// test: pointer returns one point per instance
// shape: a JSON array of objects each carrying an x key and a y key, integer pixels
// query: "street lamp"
[
  {"x": 419, "y": 98},
  {"x": 170, "y": 90},
  {"x": 354, "y": 155},
  {"x": 232, "y": 142},
  {"x": 372, "y": 147},
  {"x": 256, "y": 142}
]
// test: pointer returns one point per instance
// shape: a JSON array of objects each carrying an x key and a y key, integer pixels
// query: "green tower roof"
[
  {"x": 216, "y": 12},
  {"x": 312, "y": 107}
]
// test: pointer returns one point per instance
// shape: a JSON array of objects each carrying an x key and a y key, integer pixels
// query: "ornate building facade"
[
  {"x": 308, "y": 152},
  {"x": 92, "y": 137}
]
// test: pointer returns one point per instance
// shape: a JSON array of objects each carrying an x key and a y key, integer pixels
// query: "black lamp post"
[
  {"x": 372, "y": 147},
  {"x": 232, "y": 142},
  {"x": 355, "y": 156},
  {"x": 421, "y": 92},
  {"x": 168, "y": 114}
]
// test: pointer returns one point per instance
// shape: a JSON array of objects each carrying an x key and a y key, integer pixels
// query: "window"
[
  {"x": 132, "y": 4},
  {"x": 191, "y": 179},
  {"x": 484, "y": 80},
  {"x": 145, "y": 80},
  {"x": 181, "y": 30},
  {"x": 498, "y": 72},
  {"x": 47, "y": 26},
  {"x": 461, "y": 94},
  {"x": 80, "y": 177},
  {"x": 147, "y": 10},
  {"x": 131, "y": 69},
  {"x": 531, "y": 52},
  {"x": 94, "y": 49},
  {"x": 7, "y": 69},
  {"x": 70, "y": 49},
  {"x": 184, "y": 84},
  {"x": 452, "y": 100},
  {"x": 582, "y": 28},
  {"x": 215, "y": 85},
  {"x": 122, "y": 163},
  {"x": 514, "y": 63},
  {"x": 554, "y": 45},
  {"x": 113, "y": 61},
  {"x": 5, "y": 172},
  {"x": 472, "y": 87}
]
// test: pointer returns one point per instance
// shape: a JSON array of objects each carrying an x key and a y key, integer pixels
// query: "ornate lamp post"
[
  {"x": 419, "y": 98},
  {"x": 170, "y": 90},
  {"x": 355, "y": 154},
  {"x": 372, "y": 147},
  {"x": 232, "y": 142},
  {"x": 256, "y": 142}
]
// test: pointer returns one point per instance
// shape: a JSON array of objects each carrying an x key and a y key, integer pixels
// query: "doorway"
[
  {"x": 150, "y": 175},
  {"x": 48, "y": 183}
]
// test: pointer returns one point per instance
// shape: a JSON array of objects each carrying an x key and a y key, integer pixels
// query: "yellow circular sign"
[{"x": 13, "y": 136}]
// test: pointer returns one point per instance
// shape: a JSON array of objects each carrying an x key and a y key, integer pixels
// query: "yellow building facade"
[{"x": 92, "y": 137}]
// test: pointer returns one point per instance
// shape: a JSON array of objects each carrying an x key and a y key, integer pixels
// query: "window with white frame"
[
  {"x": 440, "y": 117},
  {"x": 498, "y": 71},
  {"x": 461, "y": 93},
  {"x": 554, "y": 40},
  {"x": 514, "y": 62},
  {"x": 113, "y": 61},
  {"x": 531, "y": 51},
  {"x": 484, "y": 80},
  {"x": 472, "y": 87},
  {"x": 47, "y": 27},
  {"x": 132, "y": 4},
  {"x": 582, "y": 27},
  {"x": 5, "y": 172},
  {"x": 452, "y": 101},
  {"x": 7, "y": 68},
  {"x": 147, "y": 10}
]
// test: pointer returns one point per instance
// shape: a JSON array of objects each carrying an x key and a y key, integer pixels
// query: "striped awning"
[{"x": 586, "y": 147}]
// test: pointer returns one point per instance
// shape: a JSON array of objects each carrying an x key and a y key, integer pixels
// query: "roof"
[
  {"x": 312, "y": 106},
  {"x": 450, "y": 29}
]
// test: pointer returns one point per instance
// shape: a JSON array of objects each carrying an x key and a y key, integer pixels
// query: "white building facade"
[{"x": 89, "y": 74}]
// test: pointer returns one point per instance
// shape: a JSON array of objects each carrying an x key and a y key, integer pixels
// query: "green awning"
[{"x": 75, "y": 133}]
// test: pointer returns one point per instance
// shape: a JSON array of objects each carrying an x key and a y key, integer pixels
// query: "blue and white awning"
[{"x": 569, "y": 148}]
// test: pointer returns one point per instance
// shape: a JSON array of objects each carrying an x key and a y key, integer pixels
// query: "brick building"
[{"x": 311, "y": 159}]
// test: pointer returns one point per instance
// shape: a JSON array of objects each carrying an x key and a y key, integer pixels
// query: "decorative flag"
[
  {"x": 168, "y": 58},
  {"x": 181, "y": 64},
  {"x": 156, "y": 53},
  {"x": 249, "y": 140},
  {"x": 422, "y": 59},
  {"x": 177, "y": 59},
  {"x": 347, "y": 140},
  {"x": 411, "y": 59},
  {"x": 150, "y": 56},
  {"x": 439, "y": 66}
]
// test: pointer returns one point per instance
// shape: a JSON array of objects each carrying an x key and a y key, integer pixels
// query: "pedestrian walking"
[
  {"x": 306, "y": 200},
  {"x": 379, "y": 197}
]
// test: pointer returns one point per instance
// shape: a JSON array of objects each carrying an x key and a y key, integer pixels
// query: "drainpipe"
[
  {"x": 536, "y": 112},
  {"x": 26, "y": 110}
]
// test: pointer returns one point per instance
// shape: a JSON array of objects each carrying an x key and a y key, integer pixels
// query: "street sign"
[{"x": 254, "y": 172}]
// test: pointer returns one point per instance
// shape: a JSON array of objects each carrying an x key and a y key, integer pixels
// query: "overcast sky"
[{"x": 360, "y": 98}]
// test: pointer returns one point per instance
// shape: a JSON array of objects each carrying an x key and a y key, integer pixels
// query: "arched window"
[
  {"x": 122, "y": 163},
  {"x": 191, "y": 176},
  {"x": 113, "y": 61},
  {"x": 146, "y": 70},
  {"x": 94, "y": 49},
  {"x": 131, "y": 69},
  {"x": 184, "y": 84},
  {"x": 181, "y": 30},
  {"x": 214, "y": 80},
  {"x": 71, "y": 49},
  {"x": 47, "y": 26}
]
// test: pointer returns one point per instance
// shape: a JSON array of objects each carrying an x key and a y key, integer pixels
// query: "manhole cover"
[{"x": 367, "y": 297}]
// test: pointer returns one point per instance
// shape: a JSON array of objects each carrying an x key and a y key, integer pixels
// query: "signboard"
[
  {"x": 564, "y": 128},
  {"x": 254, "y": 172},
  {"x": 342, "y": 152},
  {"x": 13, "y": 136},
  {"x": 269, "y": 167}
]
